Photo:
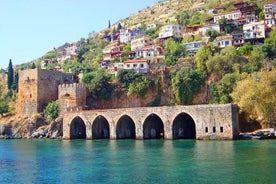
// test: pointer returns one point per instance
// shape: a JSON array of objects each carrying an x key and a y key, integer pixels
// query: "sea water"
[{"x": 137, "y": 161}]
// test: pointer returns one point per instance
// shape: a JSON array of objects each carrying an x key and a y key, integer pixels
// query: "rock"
[{"x": 2, "y": 129}]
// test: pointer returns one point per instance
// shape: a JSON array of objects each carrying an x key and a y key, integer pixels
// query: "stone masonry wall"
[
  {"x": 38, "y": 87},
  {"x": 72, "y": 96},
  {"x": 211, "y": 121}
]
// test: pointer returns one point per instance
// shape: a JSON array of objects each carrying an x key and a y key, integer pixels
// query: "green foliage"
[
  {"x": 245, "y": 49},
  {"x": 126, "y": 77},
  {"x": 139, "y": 86},
  {"x": 256, "y": 95},
  {"x": 212, "y": 33},
  {"x": 221, "y": 92},
  {"x": 81, "y": 52},
  {"x": 202, "y": 55},
  {"x": 51, "y": 110},
  {"x": 255, "y": 61},
  {"x": 171, "y": 60},
  {"x": 4, "y": 107},
  {"x": 270, "y": 43},
  {"x": 183, "y": 18},
  {"x": 98, "y": 83},
  {"x": 134, "y": 83},
  {"x": 10, "y": 75},
  {"x": 186, "y": 83}
]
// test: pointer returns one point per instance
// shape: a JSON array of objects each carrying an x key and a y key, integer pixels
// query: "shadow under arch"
[
  {"x": 100, "y": 128},
  {"x": 153, "y": 127},
  {"x": 77, "y": 129},
  {"x": 125, "y": 128},
  {"x": 183, "y": 127}
]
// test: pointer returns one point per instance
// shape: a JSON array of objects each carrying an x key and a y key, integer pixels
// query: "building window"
[
  {"x": 141, "y": 65},
  {"x": 134, "y": 65},
  {"x": 127, "y": 65},
  {"x": 221, "y": 129},
  {"x": 206, "y": 129},
  {"x": 214, "y": 129}
]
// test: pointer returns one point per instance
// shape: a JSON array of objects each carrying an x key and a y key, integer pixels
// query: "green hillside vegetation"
[{"x": 244, "y": 75}]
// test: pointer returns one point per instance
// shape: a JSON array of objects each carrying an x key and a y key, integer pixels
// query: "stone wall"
[
  {"x": 38, "y": 87},
  {"x": 211, "y": 121},
  {"x": 72, "y": 96}
]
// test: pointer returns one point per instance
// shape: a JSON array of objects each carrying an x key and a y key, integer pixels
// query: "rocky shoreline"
[{"x": 29, "y": 130}]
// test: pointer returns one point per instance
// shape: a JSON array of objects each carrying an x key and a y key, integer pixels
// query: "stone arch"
[
  {"x": 153, "y": 127},
  {"x": 125, "y": 128},
  {"x": 183, "y": 127},
  {"x": 77, "y": 128},
  {"x": 100, "y": 128}
]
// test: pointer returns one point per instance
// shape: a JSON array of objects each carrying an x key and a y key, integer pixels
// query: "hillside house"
[
  {"x": 223, "y": 41},
  {"x": 245, "y": 8},
  {"x": 192, "y": 47},
  {"x": 171, "y": 31},
  {"x": 254, "y": 30},
  {"x": 234, "y": 15},
  {"x": 270, "y": 14},
  {"x": 215, "y": 27},
  {"x": 139, "y": 66},
  {"x": 238, "y": 38},
  {"x": 151, "y": 53},
  {"x": 140, "y": 42},
  {"x": 129, "y": 34},
  {"x": 191, "y": 30},
  {"x": 45, "y": 62},
  {"x": 246, "y": 19},
  {"x": 112, "y": 51}
]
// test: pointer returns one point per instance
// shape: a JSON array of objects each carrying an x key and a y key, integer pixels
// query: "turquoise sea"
[{"x": 137, "y": 161}]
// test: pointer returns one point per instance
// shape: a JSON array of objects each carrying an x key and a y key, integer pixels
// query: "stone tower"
[
  {"x": 37, "y": 87},
  {"x": 72, "y": 96}
]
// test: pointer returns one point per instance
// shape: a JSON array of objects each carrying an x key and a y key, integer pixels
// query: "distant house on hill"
[
  {"x": 191, "y": 48},
  {"x": 270, "y": 13},
  {"x": 254, "y": 31},
  {"x": 204, "y": 28},
  {"x": 112, "y": 51},
  {"x": 151, "y": 53},
  {"x": 140, "y": 42},
  {"x": 129, "y": 34},
  {"x": 171, "y": 31},
  {"x": 233, "y": 15},
  {"x": 223, "y": 41},
  {"x": 139, "y": 66}
]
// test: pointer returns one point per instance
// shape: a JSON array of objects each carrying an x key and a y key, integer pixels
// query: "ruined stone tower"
[
  {"x": 72, "y": 96},
  {"x": 38, "y": 87}
]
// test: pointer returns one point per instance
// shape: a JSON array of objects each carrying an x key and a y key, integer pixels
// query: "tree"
[
  {"x": 139, "y": 86},
  {"x": 51, "y": 110},
  {"x": 10, "y": 75},
  {"x": 256, "y": 95},
  {"x": 186, "y": 83},
  {"x": 174, "y": 48},
  {"x": 201, "y": 57},
  {"x": 98, "y": 83},
  {"x": 4, "y": 107}
]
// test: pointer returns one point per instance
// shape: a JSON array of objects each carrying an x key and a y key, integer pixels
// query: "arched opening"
[
  {"x": 184, "y": 127},
  {"x": 125, "y": 128},
  {"x": 77, "y": 129},
  {"x": 100, "y": 128},
  {"x": 153, "y": 127}
]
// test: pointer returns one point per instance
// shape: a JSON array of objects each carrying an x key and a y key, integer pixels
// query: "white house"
[
  {"x": 254, "y": 30},
  {"x": 151, "y": 53},
  {"x": 140, "y": 42},
  {"x": 171, "y": 31},
  {"x": 270, "y": 14},
  {"x": 129, "y": 34},
  {"x": 192, "y": 47},
  {"x": 234, "y": 15},
  {"x": 224, "y": 41},
  {"x": 215, "y": 27},
  {"x": 139, "y": 66}
]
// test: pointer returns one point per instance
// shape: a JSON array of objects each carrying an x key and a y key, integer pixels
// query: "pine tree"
[{"x": 10, "y": 75}]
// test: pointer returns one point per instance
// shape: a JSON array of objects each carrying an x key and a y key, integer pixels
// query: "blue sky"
[{"x": 30, "y": 28}]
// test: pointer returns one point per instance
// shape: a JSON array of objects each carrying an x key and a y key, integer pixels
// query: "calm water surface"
[{"x": 130, "y": 161}]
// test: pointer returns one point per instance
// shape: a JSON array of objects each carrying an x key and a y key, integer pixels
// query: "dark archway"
[
  {"x": 184, "y": 127},
  {"x": 153, "y": 127},
  {"x": 77, "y": 129},
  {"x": 125, "y": 128},
  {"x": 100, "y": 128}
]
